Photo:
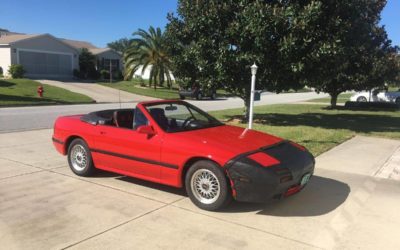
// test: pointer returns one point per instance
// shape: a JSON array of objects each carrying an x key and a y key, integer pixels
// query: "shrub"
[
  {"x": 87, "y": 65},
  {"x": 93, "y": 74},
  {"x": 76, "y": 73},
  {"x": 16, "y": 71},
  {"x": 1, "y": 72},
  {"x": 104, "y": 74},
  {"x": 117, "y": 75}
]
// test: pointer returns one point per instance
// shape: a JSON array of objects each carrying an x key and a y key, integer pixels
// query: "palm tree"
[{"x": 148, "y": 50}]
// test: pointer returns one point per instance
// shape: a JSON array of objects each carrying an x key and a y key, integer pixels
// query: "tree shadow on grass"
[
  {"x": 6, "y": 84},
  {"x": 320, "y": 196},
  {"x": 361, "y": 123},
  {"x": 386, "y": 107}
]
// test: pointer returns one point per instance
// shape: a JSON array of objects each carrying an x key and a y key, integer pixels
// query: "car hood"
[{"x": 232, "y": 139}]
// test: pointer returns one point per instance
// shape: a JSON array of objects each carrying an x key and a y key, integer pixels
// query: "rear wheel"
[
  {"x": 79, "y": 158},
  {"x": 199, "y": 96},
  {"x": 207, "y": 186},
  {"x": 398, "y": 101},
  {"x": 181, "y": 97},
  {"x": 361, "y": 99}
]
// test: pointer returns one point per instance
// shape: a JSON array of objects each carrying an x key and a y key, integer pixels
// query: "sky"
[{"x": 101, "y": 22}]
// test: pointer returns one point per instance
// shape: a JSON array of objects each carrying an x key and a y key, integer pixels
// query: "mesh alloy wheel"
[
  {"x": 205, "y": 186},
  {"x": 80, "y": 158}
]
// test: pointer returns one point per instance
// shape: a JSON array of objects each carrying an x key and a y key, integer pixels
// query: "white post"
[{"x": 253, "y": 83}]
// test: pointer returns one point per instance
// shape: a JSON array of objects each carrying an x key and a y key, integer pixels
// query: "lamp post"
[{"x": 253, "y": 83}]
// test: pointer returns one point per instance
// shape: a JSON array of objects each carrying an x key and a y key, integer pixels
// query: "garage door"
[{"x": 41, "y": 63}]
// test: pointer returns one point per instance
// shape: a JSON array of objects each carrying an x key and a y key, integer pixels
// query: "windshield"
[{"x": 180, "y": 116}]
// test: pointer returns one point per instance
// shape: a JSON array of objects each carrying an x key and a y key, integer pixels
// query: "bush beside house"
[
  {"x": 16, "y": 71},
  {"x": 1, "y": 72}
]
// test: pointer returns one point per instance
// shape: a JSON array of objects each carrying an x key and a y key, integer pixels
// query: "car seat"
[
  {"x": 158, "y": 114},
  {"x": 123, "y": 118}
]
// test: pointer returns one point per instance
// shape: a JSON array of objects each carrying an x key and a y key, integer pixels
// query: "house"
[
  {"x": 43, "y": 55},
  {"x": 104, "y": 56}
]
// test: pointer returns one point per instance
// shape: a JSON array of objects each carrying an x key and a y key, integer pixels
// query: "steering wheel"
[{"x": 188, "y": 121}]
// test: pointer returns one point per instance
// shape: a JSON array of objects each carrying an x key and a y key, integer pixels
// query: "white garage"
[{"x": 40, "y": 55}]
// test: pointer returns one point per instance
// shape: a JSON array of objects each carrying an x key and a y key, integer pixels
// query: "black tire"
[
  {"x": 181, "y": 97},
  {"x": 361, "y": 99},
  {"x": 213, "y": 96},
  {"x": 218, "y": 178},
  {"x": 199, "y": 96},
  {"x": 79, "y": 158},
  {"x": 397, "y": 101}
]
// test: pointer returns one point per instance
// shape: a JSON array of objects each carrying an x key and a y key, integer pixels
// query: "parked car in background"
[
  {"x": 197, "y": 93},
  {"x": 377, "y": 95}
]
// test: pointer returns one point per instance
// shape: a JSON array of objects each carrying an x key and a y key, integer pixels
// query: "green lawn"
[
  {"x": 22, "y": 92},
  {"x": 342, "y": 98},
  {"x": 134, "y": 87},
  {"x": 315, "y": 127}
]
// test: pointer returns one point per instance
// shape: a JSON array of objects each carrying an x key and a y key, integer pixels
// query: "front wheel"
[
  {"x": 361, "y": 99},
  {"x": 207, "y": 186},
  {"x": 80, "y": 158}
]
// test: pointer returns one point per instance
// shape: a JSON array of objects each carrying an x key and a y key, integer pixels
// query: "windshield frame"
[{"x": 213, "y": 122}]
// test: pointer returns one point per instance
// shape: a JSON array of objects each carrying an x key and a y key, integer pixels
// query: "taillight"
[{"x": 263, "y": 159}]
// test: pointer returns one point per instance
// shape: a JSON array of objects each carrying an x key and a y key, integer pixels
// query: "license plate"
[{"x": 305, "y": 179}]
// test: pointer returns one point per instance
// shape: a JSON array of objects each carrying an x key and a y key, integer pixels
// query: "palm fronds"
[{"x": 147, "y": 49}]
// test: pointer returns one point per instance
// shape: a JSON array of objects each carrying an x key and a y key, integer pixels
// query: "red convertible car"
[{"x": 177, "y": 144}]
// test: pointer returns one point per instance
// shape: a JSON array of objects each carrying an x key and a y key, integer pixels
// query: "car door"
[
  {"x": 383, "y": 96},
  {"x": 127, "y": 151}
]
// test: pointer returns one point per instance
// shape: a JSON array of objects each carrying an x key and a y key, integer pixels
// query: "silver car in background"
[{"x": 377, "y": 95}]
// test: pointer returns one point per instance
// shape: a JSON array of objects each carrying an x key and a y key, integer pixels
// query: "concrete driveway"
[
  {"x": 43, "y": 205},
  {"x": 98, "y": 92}
]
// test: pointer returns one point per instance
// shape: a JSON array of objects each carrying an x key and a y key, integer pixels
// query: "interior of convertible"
[{"x": 171, "y": 117}]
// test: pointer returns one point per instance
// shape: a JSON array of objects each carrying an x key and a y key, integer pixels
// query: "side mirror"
[{"x": 146, "y": 129}]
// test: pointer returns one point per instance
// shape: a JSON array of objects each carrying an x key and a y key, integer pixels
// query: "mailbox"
[{"x": 257, "y": 95}]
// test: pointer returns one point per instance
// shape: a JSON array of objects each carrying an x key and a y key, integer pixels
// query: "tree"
[
  {"x": 87, "y": 64},
  {"x": 397, "y": 69},
  {"x": 333, "y": 46},
  {"x": 149, "y": 50},
  {"x": 216, "y": 42},
  {"x": 120, "y": 45},
  {"x": 351, "y": 51}
]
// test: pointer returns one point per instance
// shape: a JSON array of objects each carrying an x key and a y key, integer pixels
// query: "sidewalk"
[{"x": 99, "y": 93}]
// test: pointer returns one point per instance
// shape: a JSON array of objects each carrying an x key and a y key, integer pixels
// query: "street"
[{"x": 27, "y": 118}]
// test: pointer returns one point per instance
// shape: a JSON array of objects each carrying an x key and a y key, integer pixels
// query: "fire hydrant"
[{"x": 40, "y": 91}]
